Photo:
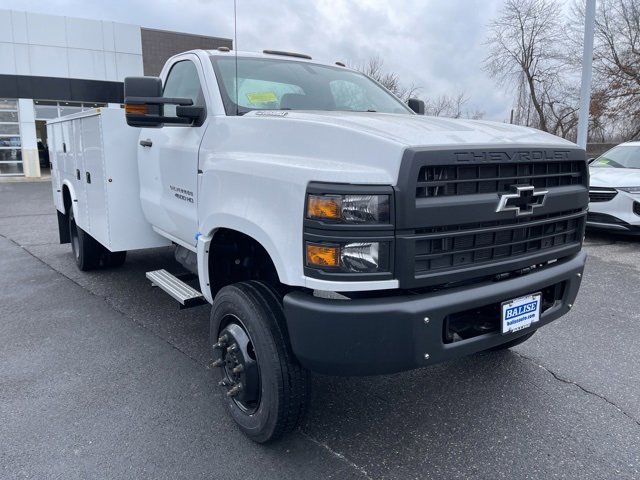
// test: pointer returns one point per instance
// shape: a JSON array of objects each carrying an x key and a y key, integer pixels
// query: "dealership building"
[{"x": 52, "y": 66}]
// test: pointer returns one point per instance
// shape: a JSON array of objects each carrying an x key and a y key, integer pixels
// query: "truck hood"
[
  {"x": 614, "y": 177},
  {"x": 418, "y": 130}
]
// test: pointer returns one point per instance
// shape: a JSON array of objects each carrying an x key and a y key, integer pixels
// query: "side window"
[{"x": 182, "y": 82}]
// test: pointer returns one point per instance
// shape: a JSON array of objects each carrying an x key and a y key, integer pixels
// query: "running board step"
[{"x": 183, "y": 293}]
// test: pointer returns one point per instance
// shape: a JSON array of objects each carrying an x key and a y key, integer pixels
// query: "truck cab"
[{"x": 333, "y": 229}]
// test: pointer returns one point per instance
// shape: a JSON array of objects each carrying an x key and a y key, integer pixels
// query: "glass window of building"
[
  {"x": 48, "y": 109},
  {"x": 10, "y": 144}
]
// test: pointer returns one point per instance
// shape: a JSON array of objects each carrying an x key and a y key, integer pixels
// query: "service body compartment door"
[
  {"x": 92, "y": 177},
  {"x": 54, "y": 159},
  {"x": 72, "y": 138}
]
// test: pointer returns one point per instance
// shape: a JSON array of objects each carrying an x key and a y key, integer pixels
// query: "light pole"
[{"x": 587, "y": 61}]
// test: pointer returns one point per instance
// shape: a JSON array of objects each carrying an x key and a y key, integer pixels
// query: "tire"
[
  {"x": 86, "y": 251},
  {"x": 512, "y": 343},
  {"x": 280, "y": 399}
]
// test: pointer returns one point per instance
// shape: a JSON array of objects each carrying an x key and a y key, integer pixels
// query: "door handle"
[
  {"x": 77, "y": 174},
  {"x": 88, "y": 176},
  {"x": 146, "y": 143}
]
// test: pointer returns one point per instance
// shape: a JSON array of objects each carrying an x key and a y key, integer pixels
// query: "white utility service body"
[
  {"x": 462, "y": 218},
  {"x": 94, "y": 156}
]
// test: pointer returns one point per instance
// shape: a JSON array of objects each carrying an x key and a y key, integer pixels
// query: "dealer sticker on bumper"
[{"x": 520, "y": 313}]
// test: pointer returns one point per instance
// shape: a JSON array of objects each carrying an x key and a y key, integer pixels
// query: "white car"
[{"x": 614, "y": 194}]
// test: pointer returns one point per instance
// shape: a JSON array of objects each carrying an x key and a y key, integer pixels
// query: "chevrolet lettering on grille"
[{"x": 523, "y": 200}]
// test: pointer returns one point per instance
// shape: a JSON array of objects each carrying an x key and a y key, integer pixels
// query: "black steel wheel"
[{"x": 265, "y": 389}]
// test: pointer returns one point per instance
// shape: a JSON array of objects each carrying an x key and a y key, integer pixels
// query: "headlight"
[
  {"x": 630, "y": 189},
  {"x": 353, "y": 257},
  {"x": 356, "y": 209}
]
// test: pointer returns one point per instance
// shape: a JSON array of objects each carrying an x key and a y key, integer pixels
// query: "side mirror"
[
  {"x": 144, "y": 104},
  {"x": 416, "y": 105}
]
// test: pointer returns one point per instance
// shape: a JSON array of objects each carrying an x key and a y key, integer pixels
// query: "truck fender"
[
  {"x": 202, "y": 250},
  {"x": 72, "y": 194},
  {"x": 242, "y": 225}
]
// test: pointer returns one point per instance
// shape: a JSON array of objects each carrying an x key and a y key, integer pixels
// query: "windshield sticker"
[{"x": 262, "y": 97}]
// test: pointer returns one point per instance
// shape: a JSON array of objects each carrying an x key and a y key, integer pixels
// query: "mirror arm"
[
  {"x": 159, "y": 119},
  {"x": 158, "y": 101}
]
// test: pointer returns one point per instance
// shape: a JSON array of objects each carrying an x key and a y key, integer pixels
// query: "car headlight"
[
  {"x": 630, "y": 189},
  {"x": 352, "y": 257},
  {"x": 350, "y": 209}
]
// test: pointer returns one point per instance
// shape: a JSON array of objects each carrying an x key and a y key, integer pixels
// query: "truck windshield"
[
  {"x": 623, "y": 156},
  {"x": 274, "y": 84}
]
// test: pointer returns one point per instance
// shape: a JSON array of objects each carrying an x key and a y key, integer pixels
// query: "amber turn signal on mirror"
[{"x": 137, "y": 109}]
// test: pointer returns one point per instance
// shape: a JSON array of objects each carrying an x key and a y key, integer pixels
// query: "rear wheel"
[
  {"x": 86, "y": 251},
  {"x": 265, "y": 389},
  {"x": 512, "y": 343}
]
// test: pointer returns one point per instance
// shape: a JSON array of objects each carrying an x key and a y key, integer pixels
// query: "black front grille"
[
  {"x": 447, "y": 248},
  {"x": 451, "y": 228},
  {"x": 597, "y": 194},
  {"x": 448, "y": 180}
]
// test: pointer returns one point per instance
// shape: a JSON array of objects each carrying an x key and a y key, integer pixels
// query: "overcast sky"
[{"x": 438, "y": 44}]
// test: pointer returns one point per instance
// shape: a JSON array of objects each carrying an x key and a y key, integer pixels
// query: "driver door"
[{"x": 168, "y": 159}]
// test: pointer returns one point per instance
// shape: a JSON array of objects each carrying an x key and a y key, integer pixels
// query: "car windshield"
[
  {"x": 624, "y": 156},
  {"x": 276, "y": 84}
]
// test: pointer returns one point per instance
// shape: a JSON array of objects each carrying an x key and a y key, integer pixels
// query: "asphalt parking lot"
[{"x": 101, "y": 376}]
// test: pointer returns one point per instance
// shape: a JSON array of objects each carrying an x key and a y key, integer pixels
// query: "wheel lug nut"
[
  {"x": 217, "y": 363},
  {"x": 238, "y": 369},
  {"x": 234, "y": 390},
  {"x": 222, "y": 342},
  {"x": 232, "y": 348}
]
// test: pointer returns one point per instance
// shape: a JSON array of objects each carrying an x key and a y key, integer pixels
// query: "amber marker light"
[
  {"x": 327, "y": 207},
  {"x": 323, "y": 255},
  {"x": 135, "y": 109}
]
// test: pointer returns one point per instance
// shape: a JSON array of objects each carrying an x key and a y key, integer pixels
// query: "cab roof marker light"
[{"x": 287, "y": 54}]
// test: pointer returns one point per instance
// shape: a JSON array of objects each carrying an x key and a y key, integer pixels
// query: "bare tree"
[
  {"x": 615, "y": 104},
  {"x": 374, "y": 68},
  {"x": 452, "y": 106},
  {"x": 442, "y": 106},
  {"x": 526, "y": 52}
]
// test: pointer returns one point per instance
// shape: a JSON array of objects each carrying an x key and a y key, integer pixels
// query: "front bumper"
[
  {"x": 389, "y": 334},
  {"x": 617, "y": 215}
]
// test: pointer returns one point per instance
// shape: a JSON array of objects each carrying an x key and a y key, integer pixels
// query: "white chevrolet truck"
[{"x": 332, "y": 228}]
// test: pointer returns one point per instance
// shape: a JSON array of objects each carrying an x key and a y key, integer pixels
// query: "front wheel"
[{"x": 264, "y": 388}]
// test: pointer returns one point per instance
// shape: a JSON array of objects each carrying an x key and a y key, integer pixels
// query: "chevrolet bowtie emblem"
[{"x": 523, "y": 200}]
